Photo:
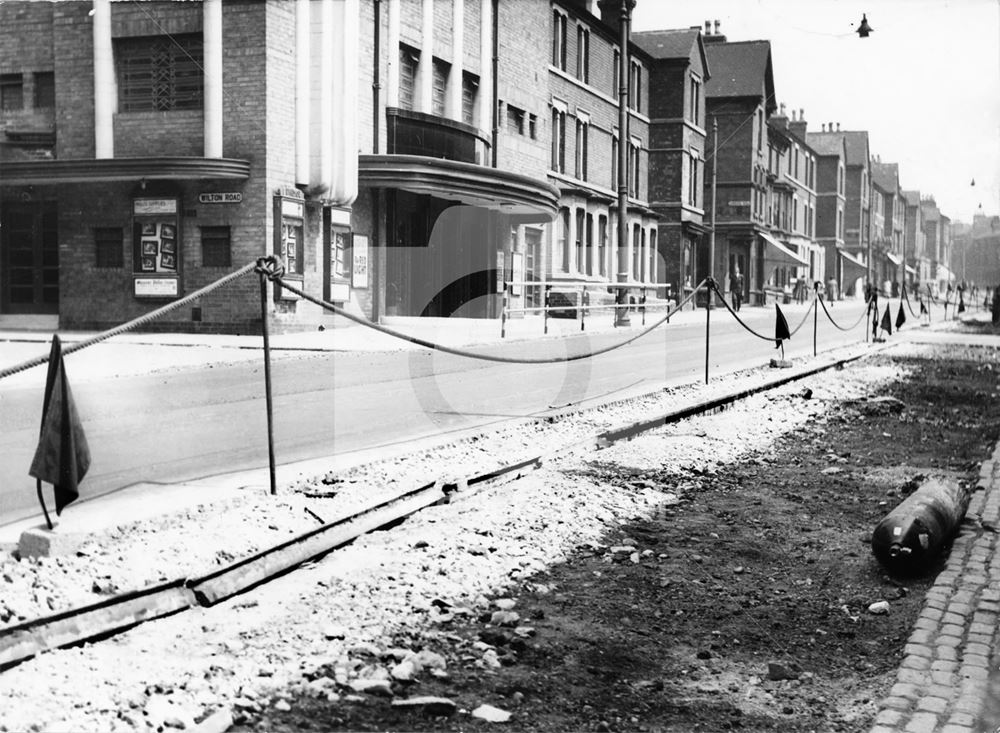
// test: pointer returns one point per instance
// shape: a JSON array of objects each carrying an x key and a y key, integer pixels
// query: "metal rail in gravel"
[{"x": 121, "y": 612}]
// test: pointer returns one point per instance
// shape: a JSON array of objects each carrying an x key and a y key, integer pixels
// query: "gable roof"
[
  {"x": 886, "y": 176},
  {"x": 857, "y": 147},
  {"x": 741, "y": 69},
  {"x": 672, "y": 44},
  {"x": 912, "y": 198},
  {"x": 826, "y": 143}
]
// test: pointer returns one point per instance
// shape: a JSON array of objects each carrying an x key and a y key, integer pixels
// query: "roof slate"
[
  {"x": 826, "y": 143},
  {"x": 886, "y": 176},
  {"x": 912, "y": 198},
  {"x": 741, "y": 69},
  {"x": 667, "y": 44}
]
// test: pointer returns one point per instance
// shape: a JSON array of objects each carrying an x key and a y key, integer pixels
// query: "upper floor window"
[
  {"x": 439, "y": 87},
  {"x": 840, "y": 178},
  {"x": 614, "y": 162},
  {"x": 760, "y": 131},
  {"x": 633, "y": 168},
  {"x": 559, "y": 40},
  {"x": 558, "y": 140},
  {"x": 582, "y": 144},
  {"x": 470, "y": 88},
  {"x": 583, "y": 54},
  {"x": 409, "y": 58},
  {"x": 11, "y": 92},
  {"x": 695, "y": 99},
  {"x": 635, "y": 83},
  {"x": 692, "y": 190},
  {"x": 160, "y": 73},
  {"x": 616, "y": 73},
  {"x": 45, "y": 89},
  {"x": 515, "y": 120}
]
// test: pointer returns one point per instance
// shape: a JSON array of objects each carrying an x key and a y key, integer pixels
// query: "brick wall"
[
  {"x": 26, "y": 48},
  {"x": 73, "y": 51}
]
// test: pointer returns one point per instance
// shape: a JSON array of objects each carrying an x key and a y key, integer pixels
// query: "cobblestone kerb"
[{"x": 943, "y": 681}]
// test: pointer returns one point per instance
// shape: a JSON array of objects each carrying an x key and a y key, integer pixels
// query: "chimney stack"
[
  {"x": 717, "y": 24},
  {"x": 798, "y": 126},
  {"x": 838, "y": 127},
  {"x": 713, "y": 37},
  {"x": 823, "y": 127},
  {"x": 708, "y": 27},
  {"x": 611, "y": 12}
]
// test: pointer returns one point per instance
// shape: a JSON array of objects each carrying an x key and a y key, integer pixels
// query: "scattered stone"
[
  {"x": 426, "y": 659},
  {"x": 491, "y": 660},
  {"x": 428, "y": 705},
  {"x": 379, "y": 688},
  {"x": 780, "y": 671},
  {"x": 334, "y": 632},
  {"x": 218, "y": 722},
  {"x": 879, "y": 608},
  {"x": 505, "y": 618},
  {"x": 491, "y": 714},
  {"x": 832, "y": 470},
  {"x": 505, "y": 604},
  {"x": 282, "y": 706},
  {"x": 405, "y": 671}
]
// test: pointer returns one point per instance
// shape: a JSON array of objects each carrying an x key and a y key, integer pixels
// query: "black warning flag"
[
  {"x": 781, "y": 331},
  {"x": 63, "y": 456},
  {"x": 923, "y": 308},
  {"x": 887, "y": 320},
  {"x": 900, "y": 316},
  {"x": 961, "y": 302}
]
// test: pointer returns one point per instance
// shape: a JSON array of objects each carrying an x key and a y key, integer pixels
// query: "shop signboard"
[
  {"x": 225, "y": 197},
  {"x": 156, "y": 287},
  {"x": 359, "y": 261}
]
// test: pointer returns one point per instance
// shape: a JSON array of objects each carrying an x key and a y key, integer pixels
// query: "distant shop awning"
[
  {"x": 469, "y": 183},
  {"x": 39, "y": 172},
  {"x": 894, "y": 259},
  {"x": 853, "y": 267},
  {"x": 777, "y": 254}
]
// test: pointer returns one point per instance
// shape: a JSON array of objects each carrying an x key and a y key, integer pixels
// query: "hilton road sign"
[{"x": 233, "y": 197}]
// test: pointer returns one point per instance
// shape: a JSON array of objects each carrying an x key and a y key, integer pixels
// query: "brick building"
[
  {"x": 914, "y": 239},
  {"x": 678, "y": 152},
  {"x": 937, "y": 236},
  {"x": 739, "y": 98},
  {"x": 888, "y": 225}
]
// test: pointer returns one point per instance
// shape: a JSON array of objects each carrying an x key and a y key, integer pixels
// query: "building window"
[
  {"x": 635, "y": 82},
  {"x": 602, "y": 245},
  {"x": 160, "y": 73},
  {"x": 695, "y": 99},
  {"x": 692, "y": 197},
  {"x": 339, "y": 243},
  {"x": 409, "y": 58},
  {"x": 216, "y": 247},
  {"x": 109, "y": 247},
  {"x": 45, "y": 89},
  {"x": 581, "y": 233},
  {"x": 795, "y": 213},
  {"x": 582, "y": 135},
  {"x": 470, "y": 88},
  {"x": 439, "y": 86},
  {"x": 652, "y": 255},
  {"x": 760, "y": 131},
  {"x": 515, "y": 120},
  {"x": 292, "y": 246},
  {"x": 11, "y": 92},
  {"x": 532, "y": 266},
  {"x": 636, "y": 251},
  {"x": 583, "y": 54},
  {"x": 558, "y": 141},
  {"x": 564, "y": 238},
  {"x": 616, "y": 68},
  {"x": 559, "y": 40},
  {"x": 633, "y": 178},
  {"x": 589, "y": 264},
  {"x": 614, "y": 162},
  {"x": 533, "y": 127}
]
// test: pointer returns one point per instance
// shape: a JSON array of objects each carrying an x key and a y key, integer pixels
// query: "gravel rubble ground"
[{"x": 348, "y": 612}]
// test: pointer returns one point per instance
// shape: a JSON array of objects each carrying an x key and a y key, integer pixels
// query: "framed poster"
[
  {"x": 359, "y": 262},
  {"x": 516, "y": 272},
  {"x": 156, "y": 241}
]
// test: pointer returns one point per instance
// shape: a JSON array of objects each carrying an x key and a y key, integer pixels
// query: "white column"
[
  {"x": 303, "y": 90},
  {"x": 104, "y": 82},
  {"x": 212, "y": 60},
  {"x": 392, "y": 57},
  {"x": 453, "y": 108},
  {"x": 425, "y": 72},
  {"x": 346, "y": 102},
  {"x": 321, "y": 157},
  {"x": 486, "y": 65}
]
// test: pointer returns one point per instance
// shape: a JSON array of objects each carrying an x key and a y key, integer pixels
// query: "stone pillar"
[
  {"x": 392, "y": 56},
  {"x": 212, "y": 59},
  {"x": 453, "y": 106},
  {"x": 425, "y": 72},
  {"x": 104, "y": 82}
]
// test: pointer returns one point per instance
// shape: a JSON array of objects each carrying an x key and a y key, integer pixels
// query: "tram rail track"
[{"x": 121, "y": 612}]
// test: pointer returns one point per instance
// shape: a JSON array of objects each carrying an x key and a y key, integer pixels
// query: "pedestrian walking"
[{"x": 736, "y": 288}]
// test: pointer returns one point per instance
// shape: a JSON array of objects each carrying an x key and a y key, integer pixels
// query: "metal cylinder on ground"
[{"x": 911, "y": 536}]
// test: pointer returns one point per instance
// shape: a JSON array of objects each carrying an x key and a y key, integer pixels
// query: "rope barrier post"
[
  {"x": 267, "y": 378},
  {"x": 710, "y": 283},
  {"x": 503, "y": 312},
  {"x": 545, "y": 311},
  {"x": 816, "y": 314}
]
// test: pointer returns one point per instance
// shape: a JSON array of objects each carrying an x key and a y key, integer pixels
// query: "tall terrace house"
[
  {"x": 582, "y": 118},
  {"x": 857, "y": 215},
  {"x": 935, "y": 226},
  {"x": 887, "y": 241},
  {"x": 679, "y": 147},
  {"x": 740, "y": 97},
  {"x": 915, "y": 253},
  {"x": 119, "y": 195},
  {"x": 799, "y": 171},
  {"x": 982, "y": 262}
]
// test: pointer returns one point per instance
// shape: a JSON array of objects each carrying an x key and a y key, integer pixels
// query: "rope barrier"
[
  {"x": 472, "y": 354},
  {"x": 803, "y": 321},
  {"x": 909, "y": 306},
  {"x": 740, "y": 320},
  {"x": 837, "y": 325},
  {"x": 128, "y": 326}
]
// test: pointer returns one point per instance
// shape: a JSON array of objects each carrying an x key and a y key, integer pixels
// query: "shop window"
[
  {"x": 470, "y": 88},
  {"x": 408, "y": 60},
  {"x": 439, "y": 86},
  {"x": 291, "y": 246},
  {"x": 160, "y": 73},
  {"x": 11, "y": 92},
  {"x": 45, "y": 89},
  {"x": 109, "y": 247},
  {"x": 216, "y": 247},
  {"x": 339, "y": 244}
]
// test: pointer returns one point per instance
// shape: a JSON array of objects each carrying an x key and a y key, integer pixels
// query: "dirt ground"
[{"x": 747, "y": 607}]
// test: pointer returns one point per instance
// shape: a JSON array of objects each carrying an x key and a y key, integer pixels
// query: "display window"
[
  {"x": 156, "y": 247},
  {"x": 289, "y": 239}
]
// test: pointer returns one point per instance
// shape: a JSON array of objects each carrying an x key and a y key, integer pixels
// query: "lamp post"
[
  {"x": 621, "y": 298},
  {"x": 711, "y": 235}
]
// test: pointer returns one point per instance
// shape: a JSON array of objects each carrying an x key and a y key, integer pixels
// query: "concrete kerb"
[{"x": 944, "y": 679}]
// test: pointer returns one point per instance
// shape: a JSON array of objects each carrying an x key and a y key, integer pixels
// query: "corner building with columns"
[{"x": 402, "y": 157}]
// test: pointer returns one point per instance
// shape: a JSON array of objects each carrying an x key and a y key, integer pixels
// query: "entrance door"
[{"x": 29, "y": 258}]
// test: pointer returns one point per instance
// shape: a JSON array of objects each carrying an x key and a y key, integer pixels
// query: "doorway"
[{"x": 29, "y": 258}]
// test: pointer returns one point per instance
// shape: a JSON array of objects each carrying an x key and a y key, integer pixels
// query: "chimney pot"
[
  {"x": 823, "y": 127},
  {"x": 782, "y": 108},
  {"x": 802, "y": 114},
  {"x": 838, "y": 127},
  {"x": 708, "y": 27},
  {"x": 717, "y": 24}
]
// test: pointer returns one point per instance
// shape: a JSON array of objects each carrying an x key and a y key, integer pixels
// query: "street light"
[{"x": 621, "y": 313}]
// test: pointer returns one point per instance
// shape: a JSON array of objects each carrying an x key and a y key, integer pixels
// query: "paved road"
[{"x": 196, "y": 422}]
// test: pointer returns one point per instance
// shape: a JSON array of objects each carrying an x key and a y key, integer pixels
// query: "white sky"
[{"x": 925, "y": 83}]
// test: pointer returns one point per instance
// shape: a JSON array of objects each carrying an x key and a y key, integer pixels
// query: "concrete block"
[
  {"x": 781, "y": 364},
  {"x": 45, "y": 542}
]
